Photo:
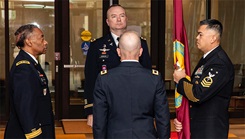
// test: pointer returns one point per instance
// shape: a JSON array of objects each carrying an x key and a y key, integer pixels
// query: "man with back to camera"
[
  {"x": 102, "y": 55},
  {"x": 129, "y": 97},
  {"x": 31, "y": 114},
  {"x": 210, "y": 88}
]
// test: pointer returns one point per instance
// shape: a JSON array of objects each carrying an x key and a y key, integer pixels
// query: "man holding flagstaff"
[{"x": 210, "y": 88}]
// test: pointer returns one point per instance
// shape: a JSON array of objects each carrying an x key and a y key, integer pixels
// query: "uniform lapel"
[
  {"x": 38, "y": 68},
  {"x": 111, "y": 43}
]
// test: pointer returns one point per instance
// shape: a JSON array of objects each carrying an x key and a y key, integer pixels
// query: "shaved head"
[
  {"x": 129, "y": 41},
  {"x": 130, "y": 46}
]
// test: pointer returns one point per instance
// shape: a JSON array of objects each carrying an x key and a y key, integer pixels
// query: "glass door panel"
[
  {"x": 85, "y": 17},
  {"x": 2, "y": 63},
  {"x": 139, "y": 17}
]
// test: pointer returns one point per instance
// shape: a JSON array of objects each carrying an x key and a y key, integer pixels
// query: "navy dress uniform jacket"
[
  {"x": 126, "y": 101},
  {"x": 209, "y": 93},
  {"x": 102, "y": 55},
  {"x": 30, "y": 101}
]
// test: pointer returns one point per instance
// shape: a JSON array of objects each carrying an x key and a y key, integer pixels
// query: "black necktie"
[
  {"x": 39, "y": 68},
  {"x": 118, "y": 41},
  {"x": 42, "y": 74}
]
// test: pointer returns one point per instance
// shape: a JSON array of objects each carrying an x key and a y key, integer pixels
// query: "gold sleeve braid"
[
  {"x": 189, "y": 92},
  {"x": 88, "y": 105},
  {"x": 34, "y": 133}
]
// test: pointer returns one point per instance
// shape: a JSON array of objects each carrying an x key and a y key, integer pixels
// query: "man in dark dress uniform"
[
  {"x": 102, "y": 55},
  {"x": 129, "y": 97},
  {"x": 210, "y": 88},
  {"x": 31, "y": 113}
]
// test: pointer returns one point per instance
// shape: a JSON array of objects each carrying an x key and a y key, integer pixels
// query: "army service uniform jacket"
[
  {"x": 30, "y": 101},
  {"x": 102, "y": 55},
  {"x": 209, "y": 93},
  {"x": 126, "y": 101}
]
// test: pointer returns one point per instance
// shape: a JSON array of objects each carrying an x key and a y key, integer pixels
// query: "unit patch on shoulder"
[
  {"x": 143, "y": 38},
  {"x": 155, "y": 72},
  {"x": 103, "y": 72},
  {"x": 22, "y": 62}
]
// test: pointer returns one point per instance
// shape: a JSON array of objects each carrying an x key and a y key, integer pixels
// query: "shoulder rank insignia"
[
  {"x": 103, "y": 72},
  {"x": 155, "y": 72},
  {"x": 22, "y": 62},
  {"x": 143, "y": 38},
  {"x": 92, "y": 40}
]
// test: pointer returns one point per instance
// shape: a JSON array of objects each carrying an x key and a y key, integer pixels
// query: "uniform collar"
[
  {"x": 32, "y": 57},
  {"x": 130, "y": 64},
  {"x": 130, "y": 61},
  {"x": 205, "y": 55},
  {"x": 114, "y": 36}
]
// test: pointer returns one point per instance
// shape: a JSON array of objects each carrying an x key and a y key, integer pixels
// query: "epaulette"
[
  {"x": 155, "y": 72},
  {"x": 22, "y": 62},
  {"x": 103, "y": 72},
  {"x": 92, "y": 40},
  {"x": 143, "y": 38}
]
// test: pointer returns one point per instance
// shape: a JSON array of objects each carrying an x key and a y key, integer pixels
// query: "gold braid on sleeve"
[{"x": 189, "y": 92}]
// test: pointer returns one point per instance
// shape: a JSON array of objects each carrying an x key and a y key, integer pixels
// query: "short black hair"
[
  {"x": 213, "y": 24},
  {"x": 22, "y": 33}
]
